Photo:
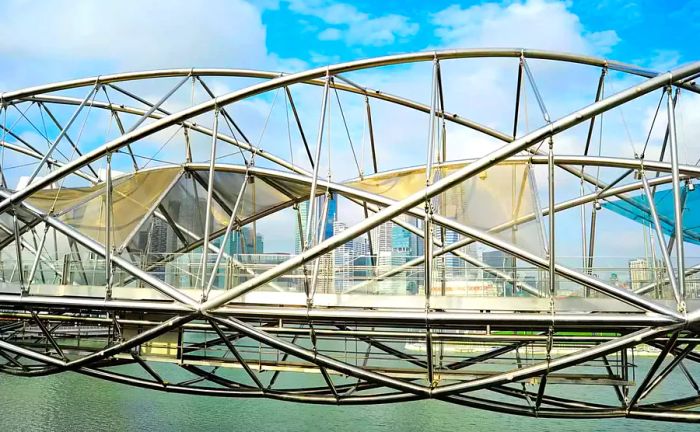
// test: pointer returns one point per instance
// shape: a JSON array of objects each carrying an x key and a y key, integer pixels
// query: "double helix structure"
[{"x": 520, "y": 252}]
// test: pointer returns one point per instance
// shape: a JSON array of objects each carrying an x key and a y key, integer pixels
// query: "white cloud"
[
  {"x": 484, "y": 90},
  {"x": 330, "y": 34},
  {"x": 127, "y": 35},
  {"x": 664, "y": 60},
  {"x": 316, "y": 58},
  {"x": 533, "y": 23},
  {"x": 353, "y": 26},
  {"x": 135, "y": 35}
]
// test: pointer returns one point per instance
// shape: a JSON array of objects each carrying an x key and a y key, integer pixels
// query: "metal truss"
[{"x": 257, "y": 337}]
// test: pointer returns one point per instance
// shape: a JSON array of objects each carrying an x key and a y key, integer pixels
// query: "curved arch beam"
[
  {"x": 405, "y": 58},
  {"x": 451, "y": 117},
  {"x": 506, "y": 151},
  {"x": 460, "y": 175},
  {"x": 380, "y": 61},
  {"x": 392, "y": 211}
]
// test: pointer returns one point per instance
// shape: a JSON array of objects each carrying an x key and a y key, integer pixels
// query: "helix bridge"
[{"x": 134, "y": 207}]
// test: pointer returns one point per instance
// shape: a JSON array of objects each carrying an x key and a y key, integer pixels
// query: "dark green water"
[{"x": 72, "y": 402}]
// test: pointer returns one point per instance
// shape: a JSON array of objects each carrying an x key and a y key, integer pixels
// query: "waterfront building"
[
  {"x": 331, "y": 216},
  {"x": 640, "y": 273},
  {"x": 342, "y": 261}
]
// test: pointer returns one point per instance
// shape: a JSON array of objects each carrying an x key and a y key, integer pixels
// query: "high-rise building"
[
  {"x": 331, "y": 216},
  {"x": 159, "y": 236},
  {"x": 153, "y": 238},
  {"x": 400, "y": 240},
  {"x": 640, "y": 273},
  {"x": 343, "y": 257},
  {"x": 243, "y": 242},
  {"x": 303, "y": 211},
  {"x": 391, "y": 246},
  {"x": 362, "y": 264},
  {"x": 415, "y": 245},
  {"x": 360, "y": 246},
  {"x": 454, "y": 265},
  {"x": 382, "y": 243}
]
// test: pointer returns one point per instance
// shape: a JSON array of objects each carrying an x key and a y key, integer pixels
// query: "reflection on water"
[{"x": 72, "y": 402}]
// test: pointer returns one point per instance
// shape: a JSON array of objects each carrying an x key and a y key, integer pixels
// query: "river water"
[{"x": 73, "y": 402}]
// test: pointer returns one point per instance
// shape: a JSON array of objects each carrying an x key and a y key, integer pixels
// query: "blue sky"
[
  {"x": 56, "y": 40},
  {"x": 647, "y": 32}
]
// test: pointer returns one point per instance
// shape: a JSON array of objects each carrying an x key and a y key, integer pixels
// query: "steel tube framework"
[{"x": 119, "y": 282}]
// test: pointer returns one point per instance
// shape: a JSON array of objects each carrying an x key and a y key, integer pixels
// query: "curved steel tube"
[{"x": 656, "y": 323}]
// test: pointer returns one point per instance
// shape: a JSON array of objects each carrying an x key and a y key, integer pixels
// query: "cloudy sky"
[
  {"x": 51, "y": 41},
  {"x": 54, "y": 40}
]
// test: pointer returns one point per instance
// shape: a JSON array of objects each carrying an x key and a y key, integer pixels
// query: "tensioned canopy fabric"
[
  {"x": 637, "y": 209},
  {"x": 170, "y": 193},
  {"x": 133, "y": 197},
  {"x": 497, "y": 196}
]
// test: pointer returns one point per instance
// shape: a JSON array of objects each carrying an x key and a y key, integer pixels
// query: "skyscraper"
[
  {"x": 331, "y": 217},
  {"x": 242, "y": 242},
  {"x": 343, "y": 257},
  {"x": 454, "y": 265},
  {"x": 303, "y": 211},
  {"x": 415, "y": 243},
  {"x": 400, "y": 240}
]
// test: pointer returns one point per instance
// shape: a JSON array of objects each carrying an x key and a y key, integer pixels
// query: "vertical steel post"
[
  {"x": 598, "y": 95},
  {"x": 370, "y": 243},
  {"x": 589, "y": 259},
  {"x": 516, "y": 114},
  {"x": 660, "y": 236},
  {"x": 591, "y": 241},
  {"x": 552, "y": 262},
  {"x": 302, "y": 247},
  {"x": 428, "y": 226},
  {"x": 314, "y": 181},
  {"x": 65, "y": 273},
  {"x": 672, "y": 237},
  {"x": 317, "y": 263},
  {"x": 582, "y": 215},
  {"x": 677, "y": 201},
  {"x": 108, "y": 227},
  {"x": 427, "y": 249},
  {"x": 18, "y": 248},
  {"x": 188, "y": 146},
  {"x": 442, "y": 157},
  {"x": 518, "y": 91},
  {"x": 210, "y": 194}
]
